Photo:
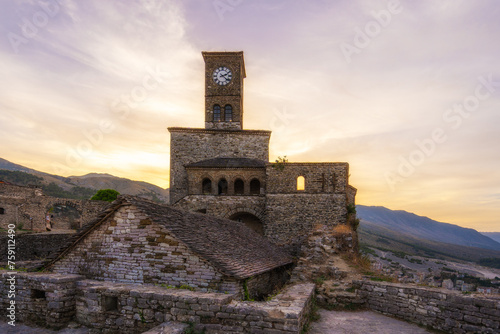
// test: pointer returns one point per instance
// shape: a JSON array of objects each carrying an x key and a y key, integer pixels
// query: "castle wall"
[
  {"x": 448, "y": 311},
  {"x": 319, "y": 177},
  {"x": 129, "y": 248},
  {"x": 193, "y": 145},
  {"x": 291, "y": 217}
]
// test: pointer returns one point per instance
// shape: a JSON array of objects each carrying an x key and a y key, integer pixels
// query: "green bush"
[{"x": 108, "y": 195}]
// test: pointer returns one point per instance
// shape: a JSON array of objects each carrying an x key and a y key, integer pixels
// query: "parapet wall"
[{"x": 448, "y": 311}]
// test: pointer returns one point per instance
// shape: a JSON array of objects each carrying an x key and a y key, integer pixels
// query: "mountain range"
[{"x": 82, "y": 187}]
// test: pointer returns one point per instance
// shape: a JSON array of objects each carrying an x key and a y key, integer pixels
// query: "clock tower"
[{"x": 224, "y": 74}]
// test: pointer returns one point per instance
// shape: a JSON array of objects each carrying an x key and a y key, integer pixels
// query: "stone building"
[
  {"x": 27, "y": 206},
  {"x": 224, "y": 170},
  {"x": 138, "y": 241}
]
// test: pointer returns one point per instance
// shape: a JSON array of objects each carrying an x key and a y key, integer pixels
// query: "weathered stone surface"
[{"x": 440, "y": 309}]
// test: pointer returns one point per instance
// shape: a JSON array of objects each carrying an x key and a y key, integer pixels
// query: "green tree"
[{"x": 108, "y": 195}]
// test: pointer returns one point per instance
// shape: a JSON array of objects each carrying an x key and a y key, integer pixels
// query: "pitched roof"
[
  {"x": 231, "y": 247},
  {"x": 228, "y": 163}
]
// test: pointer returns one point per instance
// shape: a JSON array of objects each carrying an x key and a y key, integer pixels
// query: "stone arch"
[
  {"x": 206, "y": 186},
  {"x": 222, "y": 186},
  {"x": 239, "y": 186},
  {"x": 255, "y": 185},
  {"x": 301, "y": 183},
  {"x": 254, "y": 219}
]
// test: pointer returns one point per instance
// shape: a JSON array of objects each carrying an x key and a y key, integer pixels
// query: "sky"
[{"x": 407, "y": 92}]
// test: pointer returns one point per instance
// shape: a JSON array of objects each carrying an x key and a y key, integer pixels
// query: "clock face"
[{"x": 222, "y": 75}]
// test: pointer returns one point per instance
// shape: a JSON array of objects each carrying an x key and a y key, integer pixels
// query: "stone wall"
[
  {"x": 448, "y": 311},
  {"x": 130, "y": 248},
  {"x": 41, "y": 299},
  {"x": 193, "y": 145},
  {"x": 52, "y": 300},
  {"x": 34, "y": 246},
  {"x": 291, "y": 217},
  {"x": 134, "y": 309},
  {"x": 319, "y": 177},
  {"x": 224, "y": 206}
]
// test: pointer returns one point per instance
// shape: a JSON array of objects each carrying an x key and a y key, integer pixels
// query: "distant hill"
[
  {"x": 79, "y": 187},
  {"x": 492, "y": 235},
  {"x": 419, "y": 227},
  {"x": 377, "y": 236}
]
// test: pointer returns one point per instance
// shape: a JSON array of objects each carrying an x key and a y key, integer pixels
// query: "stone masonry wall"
[
  {"x": 193, "y": 145},
  {"x": 33, "y": 246},
  {"x": 224, "y": 206},
  {"x": 130, "y": 248},
  {"x": 448, "y": 311},
  {"x": 41, "y": 299},
  {"x": 319, "y": 177},
  {"x": 290, "y": 217},
  {"x": 122, "y": 308}
]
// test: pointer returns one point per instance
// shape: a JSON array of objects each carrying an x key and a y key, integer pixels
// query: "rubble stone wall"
[
  {"x": 291, "y": 217},
  {"x": 33, "y": 246},
  {"x": 53, "y": 300},
  {"x": 448, "y": 311},
  {"x": 41, "y": 299}
]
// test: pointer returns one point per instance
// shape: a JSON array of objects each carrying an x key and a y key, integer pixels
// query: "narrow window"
[
  {"x": 222, "y": 187},
  {"x": 110, "y": 303},
  {"x": 202, "y": 211},
  {"x": 301, "y": 183},
  {"x": 206, "y": 186},
  {"x": 239, "y": 187},
  {"x": 216, "y": 113},
  {"x": 2, "y": 211},
  {"x": 254, "y": 187},
  {"x": 228, "y": 113}
]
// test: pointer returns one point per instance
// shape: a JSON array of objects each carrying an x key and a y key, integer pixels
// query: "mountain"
[
  {"x": 492, "y": 235},
  {"x": 80, "y": 187},
  {"x": 411, "y": 225},
  {"x": 373, "y": 235}
]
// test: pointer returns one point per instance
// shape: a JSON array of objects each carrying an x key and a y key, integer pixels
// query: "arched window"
[
  {"x": 239, "y": 187},
  {"x": 216, "y": 113},
  {"x": 222, "y": 185},
  {"x": 301, "y": 183},
  {"x": 206, "y": 186},
  {"x": 228, "y": 113},
  {"x": 254, "y": 187}
]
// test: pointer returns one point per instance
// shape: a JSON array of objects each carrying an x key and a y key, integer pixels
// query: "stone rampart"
[{"x": 448, "y": 311}]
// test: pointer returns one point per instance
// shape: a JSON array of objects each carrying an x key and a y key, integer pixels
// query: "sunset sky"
[{"x": 407, "y": 92}]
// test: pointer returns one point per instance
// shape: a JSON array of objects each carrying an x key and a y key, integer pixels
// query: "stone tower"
[
  {"x": 223, "y": 169},
  {"x": 224, "y": 74}
]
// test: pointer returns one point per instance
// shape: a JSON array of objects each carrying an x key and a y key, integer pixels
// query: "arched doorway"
[{"x": 249, "y": 220}]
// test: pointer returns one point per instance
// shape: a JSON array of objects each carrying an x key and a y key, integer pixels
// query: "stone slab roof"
[
  {"x": 231, "y": 247},
  {"x": 228, "y": 163}
]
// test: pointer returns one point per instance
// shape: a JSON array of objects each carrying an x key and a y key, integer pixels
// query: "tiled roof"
[
  {"x": 230, "y": 246},
  {"x": 228, "y": 163}
]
